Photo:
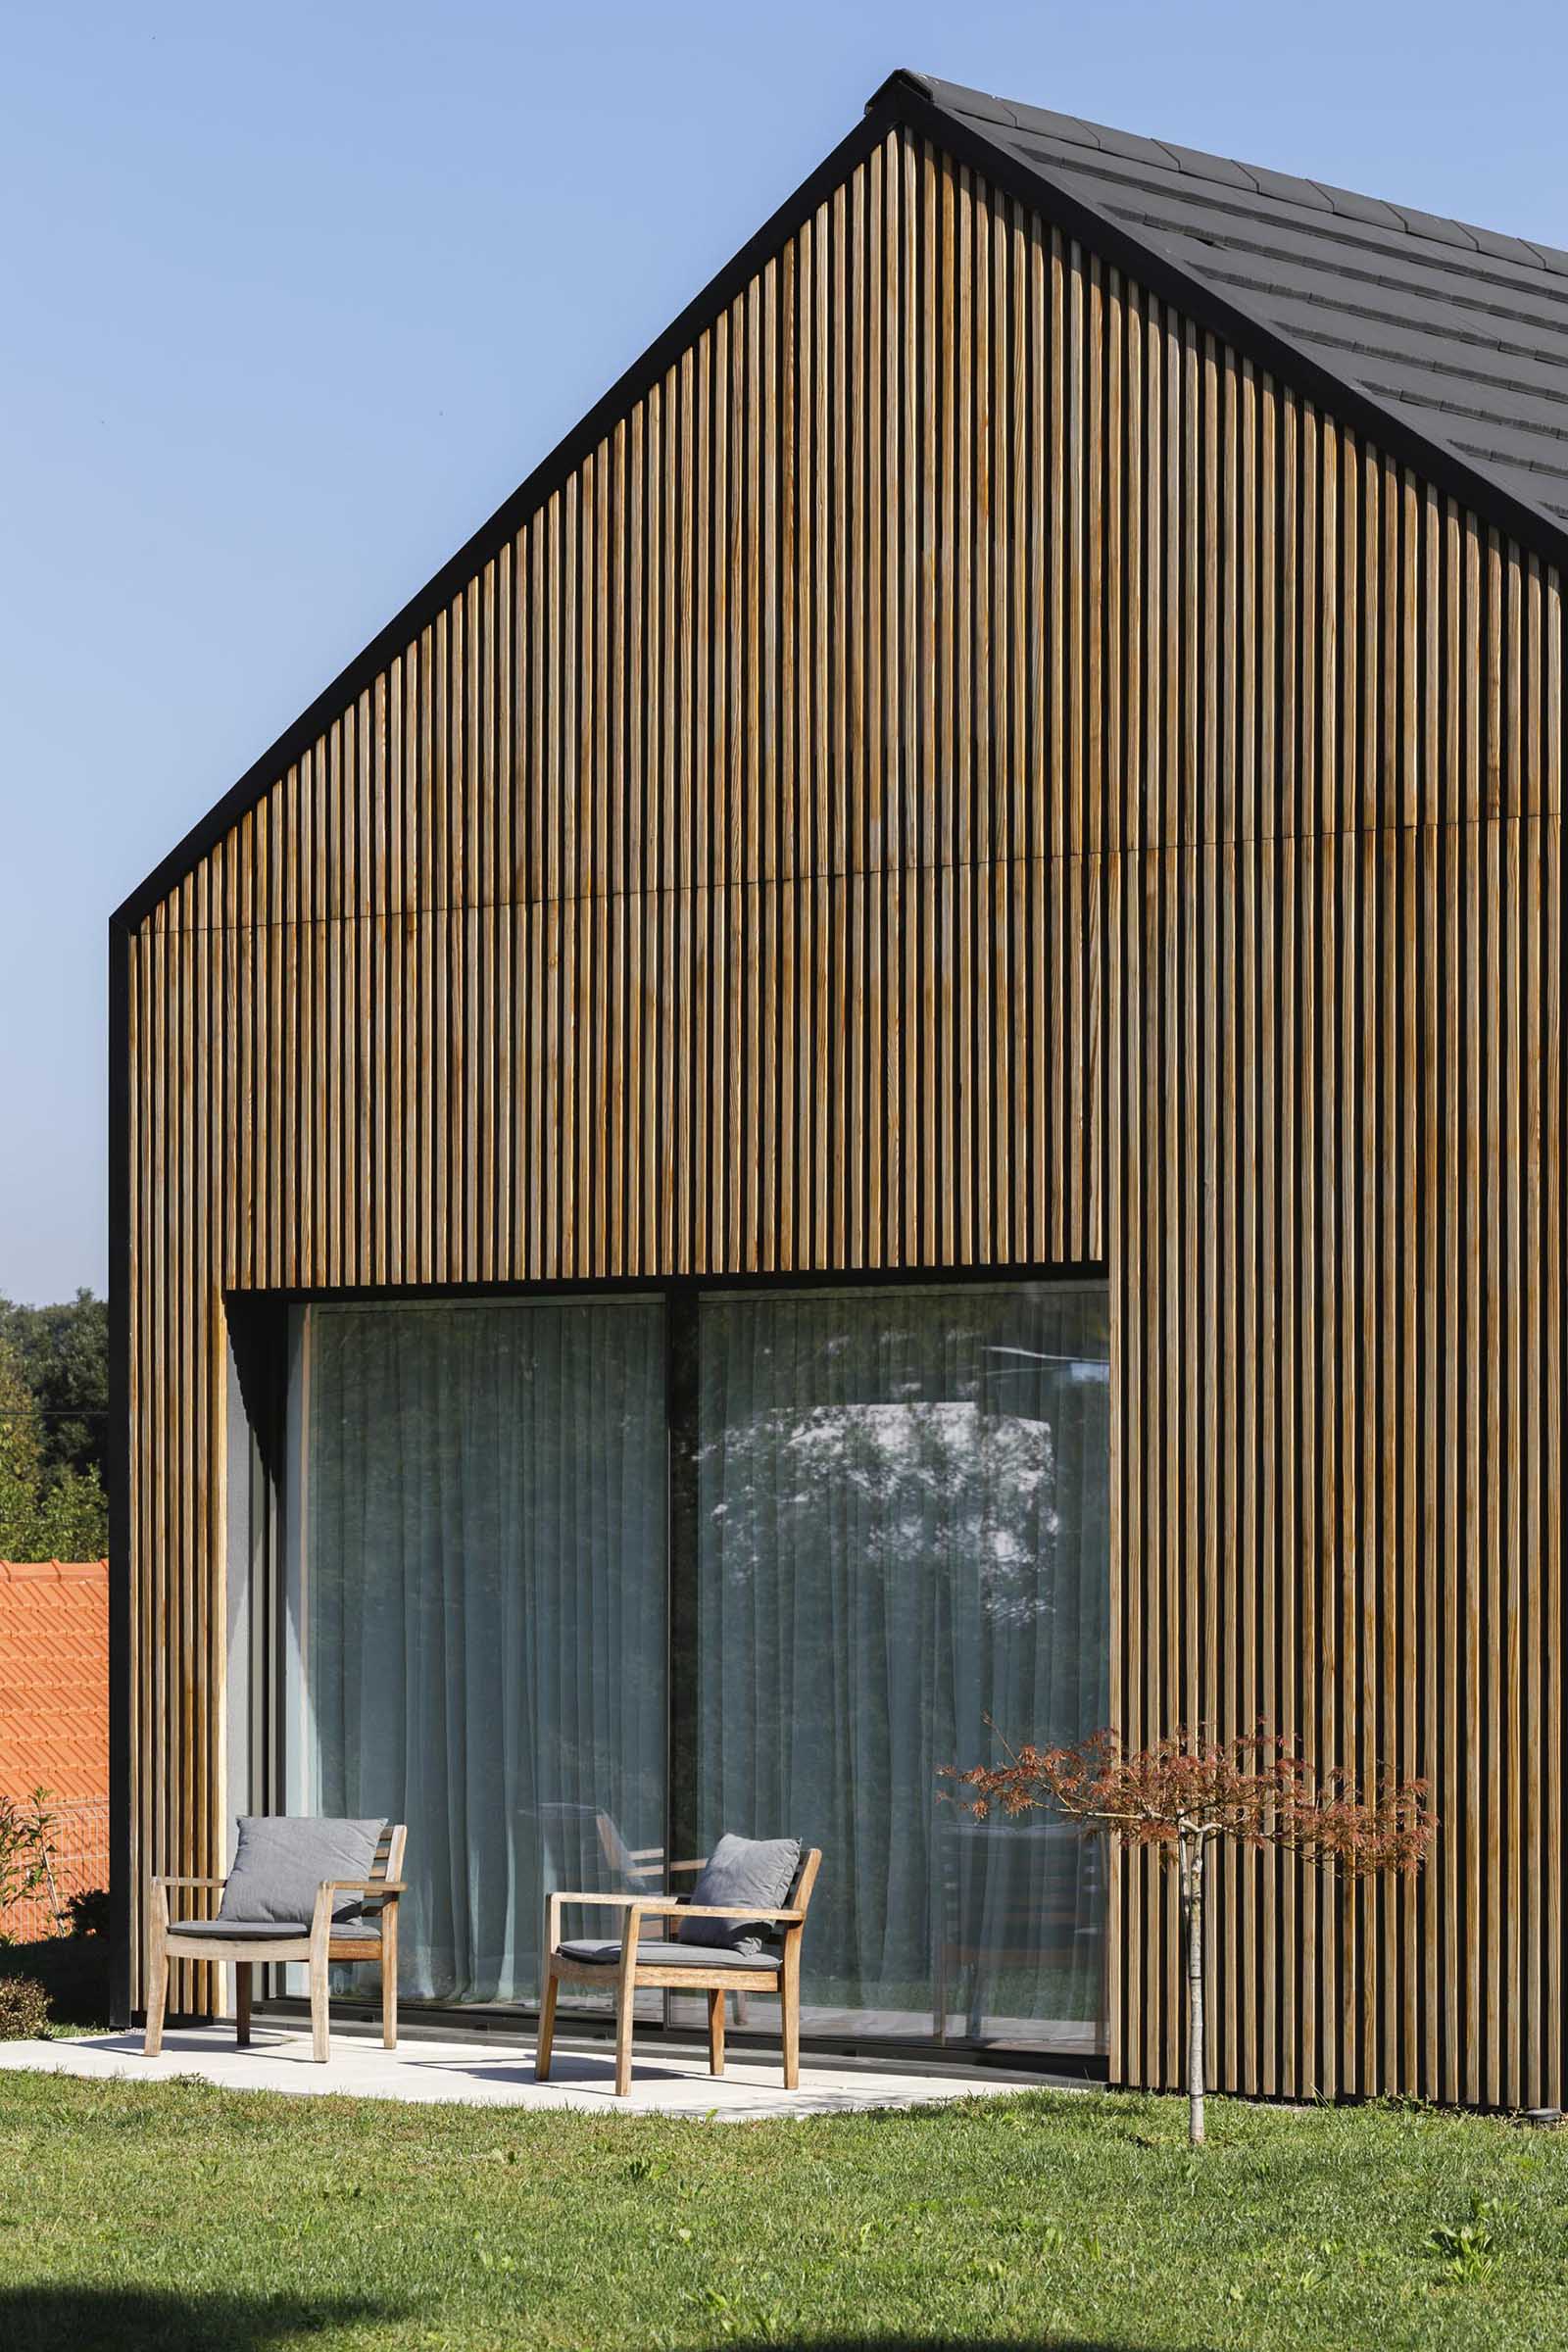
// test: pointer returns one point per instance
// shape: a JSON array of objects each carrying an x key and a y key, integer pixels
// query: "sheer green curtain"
[
  {"x": 481, "y": 1608},
  {"x": 903, "y": 1530}
]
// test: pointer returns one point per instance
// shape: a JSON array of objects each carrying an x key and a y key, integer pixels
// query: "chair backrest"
[
  {"x": 388, "y": 1862},
  {"x": 799, "y": 1897}
]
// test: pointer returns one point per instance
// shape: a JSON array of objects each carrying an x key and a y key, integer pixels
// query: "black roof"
[{"x": 1461, "y": 332}]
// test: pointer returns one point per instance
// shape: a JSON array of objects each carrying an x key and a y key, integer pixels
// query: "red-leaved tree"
[{"x": 1184, "y": 1792}]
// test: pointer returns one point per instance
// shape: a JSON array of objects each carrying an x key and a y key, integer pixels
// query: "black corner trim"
[{"x": 118, "y": 1464}]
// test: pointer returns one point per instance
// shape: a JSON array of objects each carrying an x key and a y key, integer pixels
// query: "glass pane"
[
  {"x": 903, "y": 1506},
  {"x": 481, "y": 1626}
]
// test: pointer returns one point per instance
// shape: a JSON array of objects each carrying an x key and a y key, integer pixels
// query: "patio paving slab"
[{"x": 582, "y": 2077}]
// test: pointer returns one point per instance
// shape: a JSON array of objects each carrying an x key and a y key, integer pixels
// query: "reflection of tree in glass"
[
  {"x": 917, "y": 1474},
  {"x": 903, "y": 1524}
]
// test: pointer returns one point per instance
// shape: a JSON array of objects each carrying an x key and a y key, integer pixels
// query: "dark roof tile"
[
  {"x": 1349, "y": 206},
  {"x": 1502, "y": 248},
  {"x": 1461, "y": 331},
  {"x": 1210, "y": 167}
]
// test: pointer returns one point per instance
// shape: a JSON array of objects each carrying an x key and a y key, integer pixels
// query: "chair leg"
[
  {"x": 715, "y": 2033},
  {"x": 789, "y": 2001},
  {"x": 625, "y": 2002},
  {"x": 547, "y": 2031},
  {"x": 242, "y": 2004},
  {"x": 157, "y": 1997},
  {"x": 321, "y": 2046},
  {"x": 389, "y": 1977}
]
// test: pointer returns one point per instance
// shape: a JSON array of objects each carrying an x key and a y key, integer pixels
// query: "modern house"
[{"x": 896, "y": 1059}]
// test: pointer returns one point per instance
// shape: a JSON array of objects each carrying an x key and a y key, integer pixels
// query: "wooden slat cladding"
[
  {"x": 944, "y": 543},
  {"x": 969, "y": 771},
  {"x": 1336, "y": 1255}
]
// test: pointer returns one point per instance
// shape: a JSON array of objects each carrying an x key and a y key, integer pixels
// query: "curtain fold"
[
  {"x": 485, "y": 1608},
  {"x": 904, "y": 1531}
]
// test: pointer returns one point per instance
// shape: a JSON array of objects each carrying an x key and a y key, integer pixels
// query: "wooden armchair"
[
  {"x": 630, "y": 1966},
  {"x": 317, "y": 1941}
]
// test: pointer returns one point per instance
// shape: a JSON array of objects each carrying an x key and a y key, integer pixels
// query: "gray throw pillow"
[
  {"x": 282, "y": 1859},
  {"x": 743, "y": 1871}
]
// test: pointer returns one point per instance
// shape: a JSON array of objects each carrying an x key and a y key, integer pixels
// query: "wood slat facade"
[{"x": 970, "y": 767}]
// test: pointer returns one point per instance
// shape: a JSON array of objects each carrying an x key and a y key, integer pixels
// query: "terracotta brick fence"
[{"x": 79, "y": 1861}]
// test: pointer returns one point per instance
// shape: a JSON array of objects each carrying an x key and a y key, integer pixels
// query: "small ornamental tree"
[
  {"x": 26, "y": 1852},
  {"x": 1183, "y": 1793}
]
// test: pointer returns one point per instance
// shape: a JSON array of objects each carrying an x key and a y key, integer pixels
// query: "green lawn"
[{"x": 180, "y": 2215}]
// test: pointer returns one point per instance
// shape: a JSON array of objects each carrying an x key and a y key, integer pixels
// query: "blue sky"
[{"x": 293, "y": 297}]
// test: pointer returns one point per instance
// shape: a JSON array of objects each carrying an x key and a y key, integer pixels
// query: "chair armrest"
[
  {"x": 556, "y": 1902},
  {"x": 676, "y": 1906},
  {"x": 322, "y": 1920},
  {"x": 662, "y": 1906},
  {"x": 162, "y": 1919}
]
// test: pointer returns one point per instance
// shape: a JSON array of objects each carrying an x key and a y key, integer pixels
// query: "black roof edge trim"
[
  {"x": 903, "y": 77},
  {"x": 1035, "y": 185},
  {"x": 476, "y": 549},
  {"x": 904, "y": 99}
]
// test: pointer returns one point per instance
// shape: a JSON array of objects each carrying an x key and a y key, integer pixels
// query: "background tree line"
[{"x": 54, "y": 1417}]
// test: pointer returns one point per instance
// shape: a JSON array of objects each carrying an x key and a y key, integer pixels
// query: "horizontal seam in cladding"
[{"x": 1063, "y": 861}]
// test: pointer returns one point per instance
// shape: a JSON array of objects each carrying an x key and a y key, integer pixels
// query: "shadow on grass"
[
  {"x": 137, "y": 2318},
  {"x": 936, "y": 2343}
]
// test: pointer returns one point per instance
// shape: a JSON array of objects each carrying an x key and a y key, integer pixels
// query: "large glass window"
[
  {"x": 902, "y": 1534},
  {"x": 890, "y": 1527},
  {"x": 478, "y": 1618}
]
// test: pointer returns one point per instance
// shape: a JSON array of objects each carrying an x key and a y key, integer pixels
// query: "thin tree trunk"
[{"x": 1191, "y": 1848}]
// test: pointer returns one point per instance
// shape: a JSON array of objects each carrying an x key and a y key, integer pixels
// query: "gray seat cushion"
[
  {"x": 282, "y": 1858},
  {"x": 270, "y": 1930},
  {"x": 667, "y": 1955},
  {"x": 742, "y": 1871}
]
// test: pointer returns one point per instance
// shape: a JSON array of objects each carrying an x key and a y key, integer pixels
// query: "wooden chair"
[
  {"x": 317, "y": 1943},
  {"x": 633, "y": 1967},
  {"x": 638, "y": 1866}
]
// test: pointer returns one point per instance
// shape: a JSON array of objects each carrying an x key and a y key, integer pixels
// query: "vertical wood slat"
[{"x": 969, "y": 769}]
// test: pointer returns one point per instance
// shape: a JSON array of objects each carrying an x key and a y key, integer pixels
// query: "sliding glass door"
[
  {"x": 477, "y": 1625},
  {"x": 903, "y": 1538},
  {"x": 889, "y": 1516}
]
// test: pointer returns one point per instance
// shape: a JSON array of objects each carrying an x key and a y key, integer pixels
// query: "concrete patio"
[{"x": 666, "y": 2081}]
